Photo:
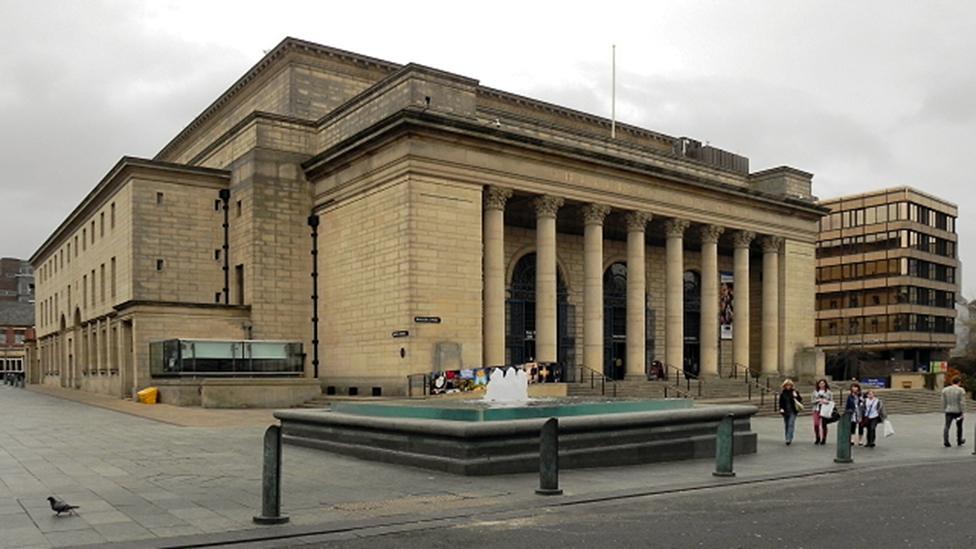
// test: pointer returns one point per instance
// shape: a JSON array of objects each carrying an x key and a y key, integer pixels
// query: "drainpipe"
[
  {"x": 313, "y": 222},
  {"x": 225, "y": 197}
]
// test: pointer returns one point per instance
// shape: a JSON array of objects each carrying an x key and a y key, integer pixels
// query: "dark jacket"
[
  {"x": 786, "y": 401},
  {"x": 855, "y": 405}
]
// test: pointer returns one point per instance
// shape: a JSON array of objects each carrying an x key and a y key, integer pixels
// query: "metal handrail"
[
  {"x": 762, "y": 389},
  {"x": 594, "y": 375},
  {"x": 678, "y": 391},
  {"x": 678, "y": 372}
]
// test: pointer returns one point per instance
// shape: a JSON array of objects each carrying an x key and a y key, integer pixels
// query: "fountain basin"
[
  {"x": 478, "y": 410},
  {"x": 504, "y": 446}
]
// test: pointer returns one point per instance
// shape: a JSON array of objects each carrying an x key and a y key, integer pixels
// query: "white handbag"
[
  {"x": 889, "y": 429},
  {"x": 827, "y": 409}
]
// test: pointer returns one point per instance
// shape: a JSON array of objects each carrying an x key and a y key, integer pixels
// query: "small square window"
[
  {"x": 217, "y": 254},
  {"x": 159, "y": 264},
  {"x": 159, "y": 198},
  {"x": 217, "y": 297}
]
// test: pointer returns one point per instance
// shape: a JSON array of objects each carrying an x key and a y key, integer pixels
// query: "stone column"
[
  {"x": 636, "y": 294},
  {"x": 674, "y": 307},
  {"x": 493, "y": 351},
  {"x": 120, "y": 360},
  {"x": 709, "y": 299},
  {"x": 770, "y": 305},
  {"x": 545, "y": 277},
  {"x": 97, "y": 341},
  {"x": 740, "y": 300},
  {"x": 593, "y": 217}
]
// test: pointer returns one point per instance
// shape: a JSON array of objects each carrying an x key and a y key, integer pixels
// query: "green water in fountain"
[{"x": 477, "y": 410}]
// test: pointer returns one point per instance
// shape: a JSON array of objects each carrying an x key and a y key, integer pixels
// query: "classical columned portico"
[
  {"x": 674, "y": 295},
  {"x": 493, "y": 344},
  {"x": 636, "y": 292},
  {"x": 770, "y": 304},
  {"x": 545, "y": 277},
  {"x": 709, "y": 299},
  {"x": 593, "y": 218},
  {"x": 740, "y": 277}
]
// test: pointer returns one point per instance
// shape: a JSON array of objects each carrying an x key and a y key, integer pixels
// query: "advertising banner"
[{"x": 726, "y": 310}]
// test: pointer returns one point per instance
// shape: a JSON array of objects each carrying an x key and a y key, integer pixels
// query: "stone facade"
[{"x": 405, "y": 167}]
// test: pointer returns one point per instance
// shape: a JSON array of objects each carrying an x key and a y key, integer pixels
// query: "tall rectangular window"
[
  {"x": 101, "y": 224},
  {"x": 159, "y": 199},
  {"x": 84, "y": 291},
  {"x": 113, "y": 278},
  {"x": 102, "y": 281},
  {"x": 112, "y": 216},
  {"x": 84, "y": 239},
  {"x": 93, "y": 231},
  {"x": 239, "y": 284},
  {"x": 93, "y": 287}
]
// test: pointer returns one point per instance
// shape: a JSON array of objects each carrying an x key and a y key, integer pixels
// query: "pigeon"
[{"x": 59, "y": 506}]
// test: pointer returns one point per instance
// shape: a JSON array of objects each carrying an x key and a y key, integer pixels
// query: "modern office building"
[
  {"x": 398, "y": 219},
  {"x": 887, "y": 281}
]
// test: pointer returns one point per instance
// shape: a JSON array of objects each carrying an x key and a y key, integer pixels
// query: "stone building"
[
  {"x": 16, "y": 331},
  {"x": 887, "y": 281},
  {"x": 445, "y": 224}
]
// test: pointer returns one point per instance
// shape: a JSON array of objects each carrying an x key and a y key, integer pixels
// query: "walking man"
[{"x": 954, "y": 404}]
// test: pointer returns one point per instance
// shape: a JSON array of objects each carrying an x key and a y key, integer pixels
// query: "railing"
[
  {"x": 755, "y": 383},
  {"x": 689, "y": 376},
  {"x": 595, "y": 376},
  {"x": 425, "y": 388},
  {"x": 678, "y": 392}
]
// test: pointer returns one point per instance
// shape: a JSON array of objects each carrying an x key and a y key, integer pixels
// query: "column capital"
[
  {"x": 547, "y": 205},
  {"x": 496, "y": 197},
  {"x": 742, "y": 239},
  {"x": 771, "y": 244},
  {"x": 675, "y": 228},
  {"x": 637, "y": 221},
  {"x": 595, "y": 214},
  {"x": 710, "y": 234}
]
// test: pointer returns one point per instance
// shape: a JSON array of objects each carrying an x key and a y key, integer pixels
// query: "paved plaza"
[{"x": 140, "y": 480}]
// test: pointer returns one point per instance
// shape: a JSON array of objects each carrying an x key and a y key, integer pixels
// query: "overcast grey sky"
[{"x": 863, "y": 94}]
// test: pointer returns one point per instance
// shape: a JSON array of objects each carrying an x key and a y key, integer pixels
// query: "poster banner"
[{"x": 726, "y": 311}]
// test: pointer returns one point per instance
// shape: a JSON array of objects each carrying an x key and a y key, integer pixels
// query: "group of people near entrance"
[{"x": 866, "y": 409}]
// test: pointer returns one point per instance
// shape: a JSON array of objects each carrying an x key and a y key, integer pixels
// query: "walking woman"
[
  {"x": 821, "y": 396},
  {"x": 790, "y": 404},
  {"x": 855, "y": 405},
  {"x": 874, "y": 413}
]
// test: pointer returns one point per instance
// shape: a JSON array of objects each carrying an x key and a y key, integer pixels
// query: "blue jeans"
[{"x": 789, "y": 422}]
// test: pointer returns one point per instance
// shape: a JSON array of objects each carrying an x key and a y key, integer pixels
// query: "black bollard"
[
  {"x": 723, "y": 447},
  {"x": 549, "y": 459},
  {"x": 271, "y": 479},
  {"x": 844, "y": 439}
]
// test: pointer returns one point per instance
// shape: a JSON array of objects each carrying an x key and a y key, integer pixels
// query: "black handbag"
[{"x": 834, "y": 417}]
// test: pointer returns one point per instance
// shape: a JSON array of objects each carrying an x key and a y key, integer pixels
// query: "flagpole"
[{"x": 613, "y": 92}]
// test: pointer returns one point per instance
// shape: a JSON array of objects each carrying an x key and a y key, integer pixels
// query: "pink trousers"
[{"x": 819, "y": 429}]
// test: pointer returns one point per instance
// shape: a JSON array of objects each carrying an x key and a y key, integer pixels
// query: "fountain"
[
  {"x": 510, "y": 386},
  {"x": 499, "y": 433}
]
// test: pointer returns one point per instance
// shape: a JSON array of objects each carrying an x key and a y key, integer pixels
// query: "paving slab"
[{"x": 140, "y": 478}]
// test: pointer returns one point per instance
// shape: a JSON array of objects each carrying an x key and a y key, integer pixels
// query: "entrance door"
[{"x": 520, "y": 338}]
